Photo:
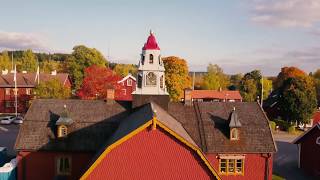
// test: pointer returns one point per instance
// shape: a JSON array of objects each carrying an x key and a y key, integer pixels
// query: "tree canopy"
[
  {"x": 215, "y": 78},
  {"x": 52, "y": 89},
  {"x": 96, "y": 82},
  {"x": 176, "y": 76},
  {"x": 250, "y": 86},
  {"x": 298, "y": 98},
  {"x": 288, "y": 72},
  {"x": 28, "y": 61},
  {"x": 124, "y": 69},
  {"x": 81, "y": 58},
  {"x": 5, "y": 62}
]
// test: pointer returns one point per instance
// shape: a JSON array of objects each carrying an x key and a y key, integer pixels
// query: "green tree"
[
  {"x": 48, "y": 66},
  {"x": 316, "y": 77},
  {"x": 28, "y": 61},
  {"x": 250, "y": 86},
  {"x": 298, "y": 99},
  {"x": 5, "y": 61},
  {"x": 81, "y": 58},
  {"x": 267, "y": 88},
  {"x": 124, "y": 69},
  {"x": 215, "y": 78},
  {"x": 235, "y": 81},
  {"x": 52, "y": 89},
  {"x": 176, "y": 76}
]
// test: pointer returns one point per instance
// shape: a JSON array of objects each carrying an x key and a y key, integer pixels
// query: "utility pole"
[{"x": 193, "y": 79}]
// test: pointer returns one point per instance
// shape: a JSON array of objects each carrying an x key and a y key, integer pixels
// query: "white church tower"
[{"x": 150, "y": 78}]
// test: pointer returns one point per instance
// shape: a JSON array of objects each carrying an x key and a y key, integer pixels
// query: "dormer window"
[
  {"x": 63, "y": 123},
  {"x": 234, "y": 134},
  {"x": 234, "y": 126},
  {"x": 150, "y": 59},
  {"x": 62, "y": 131}
]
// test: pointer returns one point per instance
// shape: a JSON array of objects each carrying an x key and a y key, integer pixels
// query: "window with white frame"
[
  {"x": 129, "y": 82},
  {"x": 28, "y": 91},
  {"x": 231, "y": 166},
  {"x": 7, "y": 91},
  {"x": 124, "y": 91}
]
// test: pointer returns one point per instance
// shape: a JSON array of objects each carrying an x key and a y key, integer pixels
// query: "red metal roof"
[
  {"x": 214, "y": 94},
  {"x": 151, "y": 43}
]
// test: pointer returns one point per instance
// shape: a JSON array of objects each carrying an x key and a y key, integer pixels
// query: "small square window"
[
  {"x": 8, "y": 104},
  {"x": 7, "y": 91},
  {"x": 124, "y": 91},
  {"x": 28, "y": 91}
]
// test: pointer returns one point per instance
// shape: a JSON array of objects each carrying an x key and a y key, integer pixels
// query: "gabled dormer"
[
  {"x": 234, "y": 126},
  {"x": 63, "y": 123}
]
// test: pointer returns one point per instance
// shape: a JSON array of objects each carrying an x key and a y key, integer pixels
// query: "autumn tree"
[
  {"x": 5, "y": 61},
  {"x": 235, "y": 81},
  {"x": 215, "y": 78},
  {"x": 316, "y": 77},
  {"x": 288, "y": 72},
  {"x": 52, "y": 89},
  {"x": 124, "y": 69},
  {"x": 267, "y": 87},
  {"x": 81, "y": 58},
  {"x": 28, "y": 61},
  {"x": 176, "y": 76},
  {"x": 48, "y": 66},
  {"x": 96, "y": 82},
  {"x": 298, "y": 98}
]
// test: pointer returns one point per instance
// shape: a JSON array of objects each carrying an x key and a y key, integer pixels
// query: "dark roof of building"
[
  {"x": 304, "y": 135},
  {"x": 94, "y": 121},
  {"x": 97, "y": 123},
  {"x": 208, "y": 125},
  {"x": 30, "y": 79}
]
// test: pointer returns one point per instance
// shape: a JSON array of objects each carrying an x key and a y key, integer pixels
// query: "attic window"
[
  {"x": 151, "y": 59},
  {"x": 234, "y": 134},
  {"x": 62, "y": 131},
  {"x": 63, "y": 165}
]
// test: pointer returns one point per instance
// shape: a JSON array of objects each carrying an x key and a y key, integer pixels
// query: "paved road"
[
  {"x": 285, "y": 161},
  {"x": 8, "y": 134}
]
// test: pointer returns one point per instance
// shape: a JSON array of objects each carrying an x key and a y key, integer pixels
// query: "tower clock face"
[{"x": 151, "y": 79}]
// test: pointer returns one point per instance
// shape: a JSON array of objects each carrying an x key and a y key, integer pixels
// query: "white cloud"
[
  {"x": 286, "y": 13},
  {"x": 21, "y": 41}
]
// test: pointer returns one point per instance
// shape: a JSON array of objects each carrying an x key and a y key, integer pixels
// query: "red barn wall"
[
  {"x": 120, "y": 96},
  {"x": 41, "y": 165},
  {"x": 151, "y": 154},
  {"x": 23, "y": 100},
  {"x": 310, "y": 153},
  {"x": 254, "y": 167}
]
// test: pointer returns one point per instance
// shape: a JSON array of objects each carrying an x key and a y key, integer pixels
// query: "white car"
[
  {"x": 6, "y": 120},
  {"x": 18, "y": 120}
]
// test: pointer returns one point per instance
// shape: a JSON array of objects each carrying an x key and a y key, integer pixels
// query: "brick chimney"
[
  {"x": 110, "y": 96},
  {"x": 187, "y": 97}
]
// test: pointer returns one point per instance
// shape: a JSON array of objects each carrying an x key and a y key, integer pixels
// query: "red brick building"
[
  {"x": 25, "y": 84},
  {"x": 148, "y": 138},
  {"x": 128, "y": 85},
  {"x": 309, "y": 150}
]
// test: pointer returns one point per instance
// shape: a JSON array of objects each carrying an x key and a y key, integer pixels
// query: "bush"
[
  {"x": 291, "y": 130},
  {"x": 284, "y": 125},
  {"x": 272, "y": 125}
]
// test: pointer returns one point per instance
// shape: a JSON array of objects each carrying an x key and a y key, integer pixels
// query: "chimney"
[
  {"x": 5, "y": 72},
  {"x": 53, "y": 73},
  {"x": 110, "y": 96},
  {"x": 187, "y": 97}
]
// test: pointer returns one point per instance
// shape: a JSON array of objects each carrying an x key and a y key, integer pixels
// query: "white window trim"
[{"x": 129, "y": 84}]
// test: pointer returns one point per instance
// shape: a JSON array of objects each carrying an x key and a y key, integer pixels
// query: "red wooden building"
[
  {"x": 309, "y": 150},
  {"x": 148, "y": 138},
  {"x": 215, "y": 95},
  {"x": 25, "y": 84},
  {"x": 128, "y": 85}
]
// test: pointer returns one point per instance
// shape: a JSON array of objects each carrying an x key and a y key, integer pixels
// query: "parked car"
[
  {"x": 18, "y": 120},
  {"x": 6, "y": 120}
]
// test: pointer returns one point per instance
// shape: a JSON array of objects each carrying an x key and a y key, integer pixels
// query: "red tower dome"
[{"x": 151, "y": 43}]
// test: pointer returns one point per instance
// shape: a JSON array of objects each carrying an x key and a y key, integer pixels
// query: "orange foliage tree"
[
  {"x": 288, "y": 72},
  {"x": 96, "y": 82},
  {"x": 177, "y": 76}
]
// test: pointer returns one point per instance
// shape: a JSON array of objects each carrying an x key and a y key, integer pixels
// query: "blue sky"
[{"x": 238, "y": 35}]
